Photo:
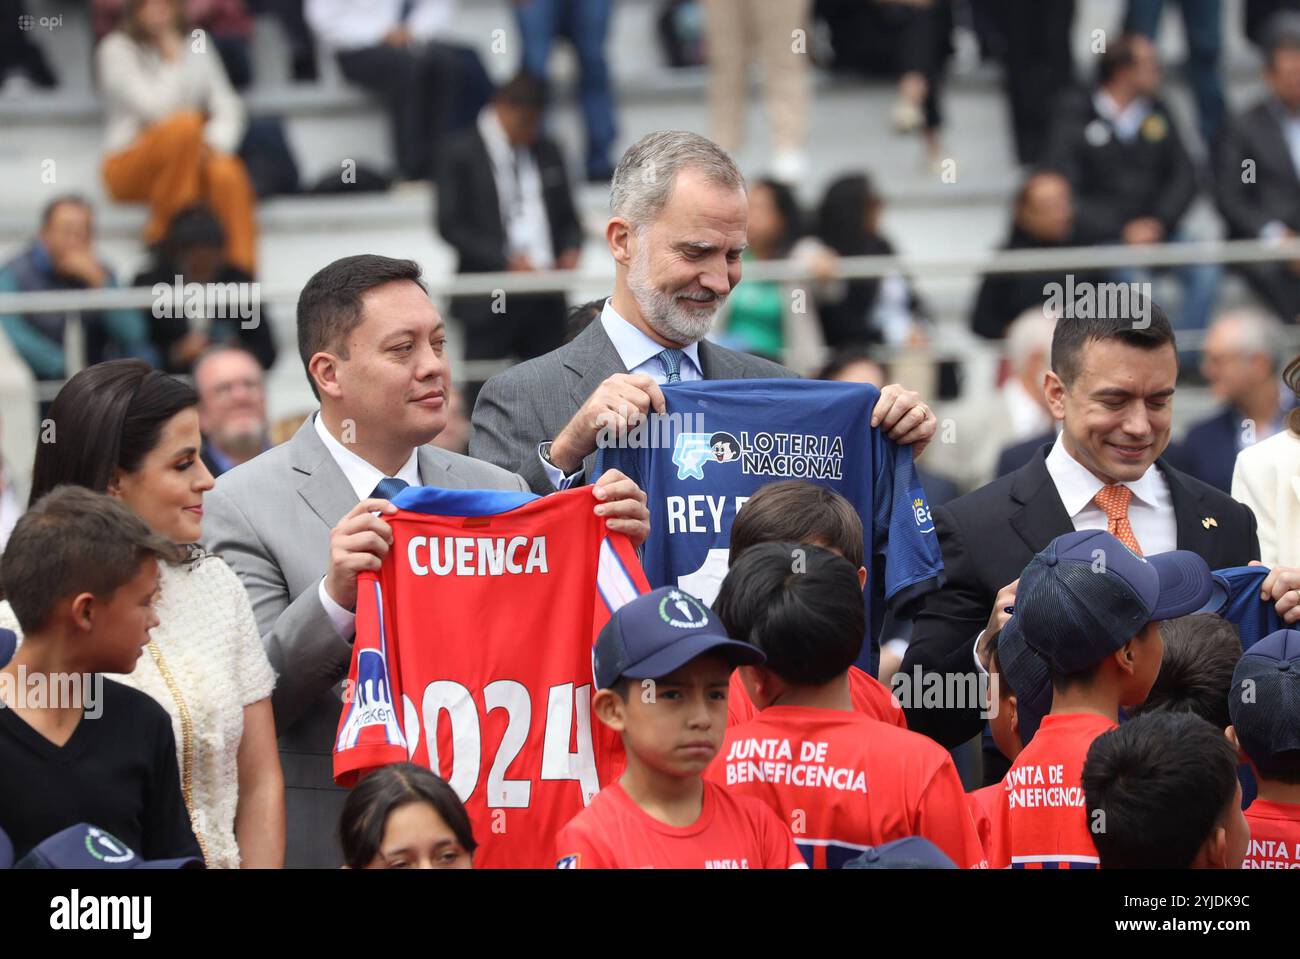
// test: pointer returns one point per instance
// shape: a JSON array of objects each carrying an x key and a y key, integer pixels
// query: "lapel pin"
[{"x": 1209, "y": 521}]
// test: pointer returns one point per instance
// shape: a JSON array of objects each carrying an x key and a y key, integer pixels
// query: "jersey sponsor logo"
[
  {"x": 683, "y": 611},
  {"x": 793, "y": 455},
  {"x": 921, "y": 513},
  {"x": 371, "y": 701},
  {"x": 568, "y": 862}
]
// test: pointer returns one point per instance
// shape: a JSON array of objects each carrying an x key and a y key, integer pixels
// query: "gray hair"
[
  {"x": 1029, "y": 333},
  {"x": 643, "y": 183},
  {"x": 1256, "y": 333}
]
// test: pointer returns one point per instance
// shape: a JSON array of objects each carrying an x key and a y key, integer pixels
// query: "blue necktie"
[
  {"x": 388, "y": 488},
  {"x": 671, "y": 361}
]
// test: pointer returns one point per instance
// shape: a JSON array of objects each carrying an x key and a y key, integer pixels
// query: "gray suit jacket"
[
  {"x": 530, "y": 403},
  {"x": 270, "y": 519}
]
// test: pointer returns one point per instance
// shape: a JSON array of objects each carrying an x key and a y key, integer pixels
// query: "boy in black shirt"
[{"x": 81, "y": 573}]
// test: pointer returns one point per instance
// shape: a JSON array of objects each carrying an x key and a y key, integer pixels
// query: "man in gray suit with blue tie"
[
  {"x": 300, "y": 521},
  {"x": 678, "y": 225}
]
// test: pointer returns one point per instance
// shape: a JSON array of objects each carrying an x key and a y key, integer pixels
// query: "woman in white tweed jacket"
[
  {"x": 1267, "y": 479},
  {"x": 174, "y": 125},
  {"x": 133, "y": 432}
]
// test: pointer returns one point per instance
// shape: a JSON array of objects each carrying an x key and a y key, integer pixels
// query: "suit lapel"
[
  {"x": 718, "y": 364},
  {"x": 593, "y": 360},
  {"x": 435, "y": 469},
  {"x": 1042, "y": 517},
  {"x": 1198, "y": 529},
  {"x": 321, "y": 483}
]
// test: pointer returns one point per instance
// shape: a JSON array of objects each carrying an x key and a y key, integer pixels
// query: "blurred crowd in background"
[{"x": 1102, "y": 160}]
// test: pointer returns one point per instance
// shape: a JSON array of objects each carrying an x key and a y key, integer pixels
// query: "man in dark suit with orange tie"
[{"x": 1111, "y": 386}]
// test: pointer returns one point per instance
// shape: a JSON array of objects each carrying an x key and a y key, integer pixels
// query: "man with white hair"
[
  {"x": 678, "y": 224},
  {"x": 1240, "y": 363},
  {"x": 1012, "y": 420}
]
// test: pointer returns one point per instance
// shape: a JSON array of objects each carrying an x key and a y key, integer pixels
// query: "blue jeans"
[
  {"x": 1199, "y": 285},
  {"x": 586, "y": 24},
  {"x": 1203, "y": 26}
]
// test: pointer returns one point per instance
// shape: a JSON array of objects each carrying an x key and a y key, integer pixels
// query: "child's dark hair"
[
  {"x": 372, "y": 801},
  {"x": 1201, "y": 651},
  {"x": 800, "y": 512},
  {"x": 801, "y": 605},
  {"x": 1155, "y": 789},
  {"x": 72, "y": 541}
]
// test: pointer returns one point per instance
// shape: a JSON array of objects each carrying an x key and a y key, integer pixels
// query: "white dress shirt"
[
  {"x": 363, "y": 478},
  {"x": 1126, "y": 121},
  {"x": 1150, "y": 511},
  {"x": 638, "y": 353},
  {"x": 519, "y": 193},
  {"x": 354, "y": 24}
]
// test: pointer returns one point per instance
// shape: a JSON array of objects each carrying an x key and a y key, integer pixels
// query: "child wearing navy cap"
[
  {"x": 1024, "y": 696},
  {"x": 1162, "y": 793},
  {"x": 1265, "y": 710},
  {"x": 662, "y": 666},
  {"x": 1090, "y": 609}
]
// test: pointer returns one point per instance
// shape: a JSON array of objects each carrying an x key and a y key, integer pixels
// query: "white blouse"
[{"x": 204, "y": 665}]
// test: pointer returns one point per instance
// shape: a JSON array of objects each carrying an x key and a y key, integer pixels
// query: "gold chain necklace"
[{"x": 187, "y": 739}]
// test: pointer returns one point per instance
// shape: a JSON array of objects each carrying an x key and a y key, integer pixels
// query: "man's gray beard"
[
  {"x": 665, "y": 315},
  {"x": 242, "y": 446}
]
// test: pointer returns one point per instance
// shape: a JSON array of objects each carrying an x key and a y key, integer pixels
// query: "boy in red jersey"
[
  {"x": 1091, "y": 609},
  {"x": 1024, "y": 691},
  {"x": 1265, "y": 710},
  {"x": 1163, "y": 793},
  {"x": 797, "y": 511},
  {"x": 662, "y": 665},
  {"x": 842, "y": 781}
]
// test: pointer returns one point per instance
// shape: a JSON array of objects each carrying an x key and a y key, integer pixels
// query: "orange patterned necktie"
[{"x": 1114, "y": 500}]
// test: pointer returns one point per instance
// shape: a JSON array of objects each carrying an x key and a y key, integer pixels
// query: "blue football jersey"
[
  {"x": 1253, "y": 617},
  {"x": 720, "y": 440}
]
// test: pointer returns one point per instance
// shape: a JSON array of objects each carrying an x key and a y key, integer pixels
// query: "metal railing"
[{"x": 921, "y": 266}]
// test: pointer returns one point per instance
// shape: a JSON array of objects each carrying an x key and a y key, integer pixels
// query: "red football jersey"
[
  {"x": 989, "y": 822},
  {"x": 733, "y": 832},
  {"x": 1043, "y": 804},
  {"x": 473, "y": 657},
  {"x": 842, "y": 782},
  {"x": 1274, "y": 835},
  {"x": 869, "y": 695}
]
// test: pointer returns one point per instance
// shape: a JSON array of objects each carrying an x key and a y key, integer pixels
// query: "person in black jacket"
[
  {"x": 504, "y": 204},
  {"x": 1133, "y": 179},
  {"x": 183, "y": 324},
  {"x": 1257, "y": 185},
  {"x": 1043, "y": 219},
  {"x": 1111, "y": 386}
]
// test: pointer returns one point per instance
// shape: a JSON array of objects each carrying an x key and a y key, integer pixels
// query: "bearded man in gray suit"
[
  {"x": 300, "y": 521},
  {"x": 678, "y": 225}
]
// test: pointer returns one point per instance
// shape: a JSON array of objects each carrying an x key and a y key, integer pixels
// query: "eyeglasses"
[{"x": 252, "y": 384}]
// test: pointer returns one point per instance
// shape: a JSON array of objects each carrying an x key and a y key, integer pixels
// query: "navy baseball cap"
[
  {"x": 1028, "y": 676},
  {"x": 910, "y": 852},
  {"x": 1267, "y": 720},
  {"x": 88, "y": 847},
  {"x": 1087, "y": 594},
  {"x": 659, "y": 632}
]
